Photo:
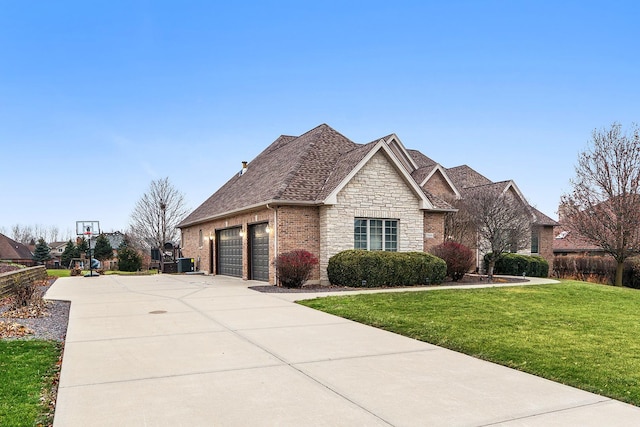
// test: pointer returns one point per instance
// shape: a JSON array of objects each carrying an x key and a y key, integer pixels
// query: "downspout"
[{"x": 275, "y": 240}]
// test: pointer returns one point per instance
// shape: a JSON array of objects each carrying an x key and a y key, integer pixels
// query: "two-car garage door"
[{"x": 229, "y": 253}]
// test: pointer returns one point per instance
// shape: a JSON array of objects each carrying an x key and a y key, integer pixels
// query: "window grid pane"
[
  {"x": 360, "y": 234},
  {"x": 391, "y": 235},
  {"x": 375, "y": 235}
]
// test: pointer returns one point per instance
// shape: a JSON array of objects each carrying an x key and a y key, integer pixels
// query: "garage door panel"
[
  {"x": 229, "y": 258},
  {"x": 259, "y": 252}
]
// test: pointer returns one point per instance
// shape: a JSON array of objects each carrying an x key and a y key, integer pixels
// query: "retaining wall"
[{"x": 31, "y": 274}]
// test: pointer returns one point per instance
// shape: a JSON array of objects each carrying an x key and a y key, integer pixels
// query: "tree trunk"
[
  {"x": 490, "y": 267},
  {"x": 619, "y": 271}
]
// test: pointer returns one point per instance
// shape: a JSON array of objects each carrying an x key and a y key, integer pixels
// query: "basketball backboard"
[{"x": 88, "y": 228}]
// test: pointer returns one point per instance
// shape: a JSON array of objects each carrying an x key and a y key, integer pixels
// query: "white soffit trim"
[
  {"x": 442, "y": 170},
  {"x": 425, "y": 203},
  {"x": 394, "y": 141}
]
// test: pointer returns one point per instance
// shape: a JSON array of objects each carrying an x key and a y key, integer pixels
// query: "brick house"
[
  {"x": 324, "y": 193},
  {"x": 16, "y": 252}
]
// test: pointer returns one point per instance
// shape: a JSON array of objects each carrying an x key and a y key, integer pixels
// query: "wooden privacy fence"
[{"x": 25, "y": 275}]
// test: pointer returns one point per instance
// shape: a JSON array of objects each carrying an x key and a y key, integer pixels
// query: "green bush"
[
  {"x": 516, "y": 264},
  {"x": 359, "y": 268}
]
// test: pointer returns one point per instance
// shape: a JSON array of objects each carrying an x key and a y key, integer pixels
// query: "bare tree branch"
[
  {"x": 157, "y": 213},
  {"x": 604, "y": 204}
]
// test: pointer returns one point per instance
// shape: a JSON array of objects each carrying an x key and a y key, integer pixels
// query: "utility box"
[{"x": 185, "y": 265}]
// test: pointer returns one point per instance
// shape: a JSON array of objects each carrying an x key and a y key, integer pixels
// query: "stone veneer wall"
[{"x": 376, "y": 191}]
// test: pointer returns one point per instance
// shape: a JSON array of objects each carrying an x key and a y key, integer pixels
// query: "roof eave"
[{"x": 245, "y": 209}]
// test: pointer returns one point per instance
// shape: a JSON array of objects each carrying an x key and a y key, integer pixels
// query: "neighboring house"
[
  {"x": 466, "y": 180},
  {"x": 324, "y": 193},
  {"x": 57, "y": 248},
  {"x": 16, "y": 252},
  {"x": 115, "y": 240},
  {"x": 570, "y": 242}
]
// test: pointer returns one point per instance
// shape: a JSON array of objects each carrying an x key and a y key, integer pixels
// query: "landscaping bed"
[{"x": 469, "y": 279}]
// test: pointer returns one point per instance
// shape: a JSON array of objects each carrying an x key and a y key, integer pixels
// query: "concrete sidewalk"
[{"x": 193, "y": 350}]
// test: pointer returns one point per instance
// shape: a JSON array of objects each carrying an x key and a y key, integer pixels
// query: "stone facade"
[{"x": 376, "y": 191}]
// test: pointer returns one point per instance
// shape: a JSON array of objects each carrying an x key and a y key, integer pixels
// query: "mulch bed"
[{"x": 469, "y": 279}]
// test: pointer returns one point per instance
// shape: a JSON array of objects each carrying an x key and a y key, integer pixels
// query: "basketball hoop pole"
[{"x": 88, "y": 233}]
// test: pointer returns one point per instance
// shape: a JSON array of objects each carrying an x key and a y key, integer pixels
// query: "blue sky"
[{"x": 97, "y": 99}]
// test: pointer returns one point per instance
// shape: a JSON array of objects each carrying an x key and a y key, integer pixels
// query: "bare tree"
[
  {"x": 500, "y": 220},
  {"x": 22, "y": 234},
  {"x": 157, "y": 213},
  {"x": 604, "y": 204}
]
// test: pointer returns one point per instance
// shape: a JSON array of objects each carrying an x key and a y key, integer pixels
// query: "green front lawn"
[
  {"x": 576, "y": 333},
  {"x": 27, "y": 370}
]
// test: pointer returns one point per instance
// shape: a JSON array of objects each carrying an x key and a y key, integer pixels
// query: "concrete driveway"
[{"x": 191, "y": 350}]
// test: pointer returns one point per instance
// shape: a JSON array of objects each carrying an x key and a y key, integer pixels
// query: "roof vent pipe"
[{"x": 244, "y": 168}]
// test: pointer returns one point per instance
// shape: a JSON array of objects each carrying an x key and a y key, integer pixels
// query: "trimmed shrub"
[
  {"x": 516, "y": 264},
  {"x": 595, "y": 269},
  {"x": 293, "y": 268},
  {"x": 458, "y": 257},
  {"x": 359, "y": 268}
]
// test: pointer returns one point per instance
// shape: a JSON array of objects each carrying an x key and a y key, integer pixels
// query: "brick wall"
[
  {"x": 439, "y": 186},
  {"x": 299, "y": 228},
  {"x": 545, "y": 243},
  {"x": 433, "y": 229},
  {"x": 376, "y": 191},
  {"x": 201, "y": 251}
]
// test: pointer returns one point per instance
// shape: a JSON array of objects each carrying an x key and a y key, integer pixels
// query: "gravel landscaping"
[{"x": 46, "y": 320}]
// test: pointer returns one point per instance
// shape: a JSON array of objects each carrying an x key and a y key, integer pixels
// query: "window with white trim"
[{"x": 374, "y": 234}]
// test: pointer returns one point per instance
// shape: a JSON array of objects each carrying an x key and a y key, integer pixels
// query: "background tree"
[
  {"x": 157, "y": 213},
  {"x": 604, "y": 204},
  {"x": 102, "y": 250},
  {"x": 68, "y": 254},
  {"x": 42, "y": 252},
  {"x": 128, "y": 257},
  {"x": 82, "y": 246},
  {"x": 500, "y": 219}
]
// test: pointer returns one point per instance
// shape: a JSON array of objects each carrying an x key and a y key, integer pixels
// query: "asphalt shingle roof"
[
  {"x": 463, "y": 177},
  {"x": 309, "y": 167},
  {"x": 12, "y": 250}
]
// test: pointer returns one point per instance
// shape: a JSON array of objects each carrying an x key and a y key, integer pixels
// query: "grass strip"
[
  {"x": 27, "y": 371},
  {"x": 580, "y": 334}
]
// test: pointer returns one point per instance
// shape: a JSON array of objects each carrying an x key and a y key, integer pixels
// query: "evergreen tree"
[
  {"x": 128, "y": 258},
  {"x": 102, "y": 250},
  {"x": 82, "y": 247},
  {"x": 42, "y": 252},
  {"x": 69, "y": 253}
]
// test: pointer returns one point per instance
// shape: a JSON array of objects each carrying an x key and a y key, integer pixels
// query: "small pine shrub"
[
  {"x": 458, "y": 257},
  {"x": 293, "y": 268}
]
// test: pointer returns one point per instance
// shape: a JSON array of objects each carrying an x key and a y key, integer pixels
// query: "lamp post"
[{"x": 163, "y": 208}]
